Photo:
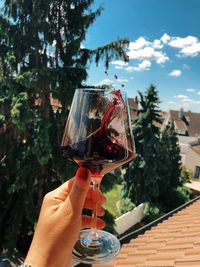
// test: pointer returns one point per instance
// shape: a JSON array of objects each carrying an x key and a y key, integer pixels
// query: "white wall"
[{"x": 129, "y": 219}]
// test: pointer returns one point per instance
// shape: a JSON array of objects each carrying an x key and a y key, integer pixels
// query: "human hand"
[{"x": 61, "y": 219}]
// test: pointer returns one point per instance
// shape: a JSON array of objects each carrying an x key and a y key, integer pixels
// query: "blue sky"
[{"x": 164, "y": 48}]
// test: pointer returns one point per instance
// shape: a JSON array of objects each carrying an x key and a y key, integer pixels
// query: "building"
[
  {"x": 185, "y": 144},
  {"x": 187, "y": 126},
  {"x": 192, "y": 159},
  {"x": 185, "y": 123}
]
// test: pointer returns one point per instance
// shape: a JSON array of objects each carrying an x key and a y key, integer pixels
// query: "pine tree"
[
  {"x": 169, "y": 170},
  {"x": 40, "y": 56},
  {"x": 140, "y": 181}
]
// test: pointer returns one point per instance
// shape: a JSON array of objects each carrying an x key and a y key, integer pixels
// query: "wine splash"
[{"x": 104, "y": 149}]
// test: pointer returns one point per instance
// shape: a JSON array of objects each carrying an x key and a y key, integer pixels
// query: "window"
[{"x": 197, "y": 172}]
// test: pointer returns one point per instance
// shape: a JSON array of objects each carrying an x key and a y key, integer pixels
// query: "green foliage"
[
  {"x": 186, "y": 175},
  {"x": 154, "y": 176},
  {"x": 141, "y": 177},
  {"x": 151, "y": 211},
  {"x": 169, "y": 170},
  {"x": 108, "y": 182},
  {"x": 183, "y": 194},
  {"x": 40, "y": 56},
  {"x": 176, "y": 197},
  {"x": 126, "y": 205},
  {"x": 112, "y": 200}
]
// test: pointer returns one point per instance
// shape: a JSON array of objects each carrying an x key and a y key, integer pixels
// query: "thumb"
[{"x": 79, "y": 189}]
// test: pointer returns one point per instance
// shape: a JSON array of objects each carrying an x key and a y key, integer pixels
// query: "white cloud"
[
  {"x": 144, "y": 65},
  {"x": 130, "y": 69},
  {"x": 119, "y": 63},
  {"x": 165, "y": 38},
  {"x": 192, "y": 50},
  {"x": 175, "y": 73},
  {"x": 161, "y": 58},
  {"x": 157, "y": 44},
  {"x": 122, "y": 80},
  {"x": 105, "y": 82},
  {"x": 189, "y": 46},
  {"x": 183, "y": 101},
  {"x": 138, "y": 44},
  {"x": 187, "y": 102},
  {"x": 179, "y": 42},
  {"x": 148, "y": 53},
  {"x": 144, "y": 52},
  {"x": 191, "y": 90},
  {"x": 118, "y": 67},
  {"x": 181, "y": 96}
]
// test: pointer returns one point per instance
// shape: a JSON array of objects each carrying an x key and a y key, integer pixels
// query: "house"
[
  {"x": 185, "y": 123},
  {"x": 192, "y": 159},
  {"x": 187, "y": 127},
  {"x": 184, "y": 143},
  {"x": 172, "y": 242}
]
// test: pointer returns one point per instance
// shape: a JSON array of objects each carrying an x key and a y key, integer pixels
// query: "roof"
[
  {"x": 186, "y": 120},
  {"x": 194, "y": 185},
  {"x": 196, "y": 148},
  {"x": 175, "y": 242},
  {"x": 187, "y": 139}
]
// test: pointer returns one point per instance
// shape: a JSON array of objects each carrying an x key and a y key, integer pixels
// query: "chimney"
[{"x": 181, "y": 113}]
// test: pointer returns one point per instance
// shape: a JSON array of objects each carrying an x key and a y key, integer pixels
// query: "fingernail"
[{"x": 83, "y": 173}]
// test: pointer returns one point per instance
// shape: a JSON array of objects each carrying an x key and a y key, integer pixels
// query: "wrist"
[{"x": 36, "y": 260}]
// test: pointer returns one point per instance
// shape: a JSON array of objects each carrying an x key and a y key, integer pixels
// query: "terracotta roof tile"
[{"x": 174, "y": 242}]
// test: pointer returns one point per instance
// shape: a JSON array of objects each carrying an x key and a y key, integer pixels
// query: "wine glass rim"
[{"x": 90, "y": 89}]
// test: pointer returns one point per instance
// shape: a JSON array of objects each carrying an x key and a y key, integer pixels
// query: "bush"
[
  {"x": 186, "y": 175},
  {"x": 151, "y": 211},
  {"x": 126, "y": 205},
  {"x": 183, "y": 194}
]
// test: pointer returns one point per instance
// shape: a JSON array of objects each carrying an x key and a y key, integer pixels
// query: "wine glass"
[{"x": 98, "y": 136}]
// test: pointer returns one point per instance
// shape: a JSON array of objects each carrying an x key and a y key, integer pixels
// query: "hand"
[{"x": 61, "y": 219}]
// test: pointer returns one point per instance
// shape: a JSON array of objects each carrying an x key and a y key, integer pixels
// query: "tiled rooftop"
[
  {"x": 175, "y": 242},
  {"x": 189, "y": 121}
]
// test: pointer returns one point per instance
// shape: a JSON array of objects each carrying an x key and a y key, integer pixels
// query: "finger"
[
  {"x": 88, "y": 221},
  {"x": 96, "y": 196},
  {"x": 62, "y": 191},
  {"x": 91, "y": 206},
  {"x": 78, "y": 192}
]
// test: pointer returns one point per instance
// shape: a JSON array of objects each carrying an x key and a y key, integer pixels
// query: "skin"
[{"x": 61, "y": 220}]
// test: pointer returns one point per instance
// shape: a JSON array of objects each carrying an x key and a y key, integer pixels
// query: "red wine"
[{"x": 100, "y": 152}]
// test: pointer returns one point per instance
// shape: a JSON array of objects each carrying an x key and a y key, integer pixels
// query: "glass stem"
[{"x": 93, "y": 232}]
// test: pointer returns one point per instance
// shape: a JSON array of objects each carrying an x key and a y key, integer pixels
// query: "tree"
[
  {"x": 169, "y": 170},
  {"x": 41, "y": 58},
  {"x": 141, "y": 178},
  {"x": 154, "y": 176}
]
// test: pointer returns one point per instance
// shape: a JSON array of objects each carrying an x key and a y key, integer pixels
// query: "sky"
[{"x": 164, "y": 49}]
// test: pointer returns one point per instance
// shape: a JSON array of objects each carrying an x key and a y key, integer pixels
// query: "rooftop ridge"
[{"x": 127, "y": 238}]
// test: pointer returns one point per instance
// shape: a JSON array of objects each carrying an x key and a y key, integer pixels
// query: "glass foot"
[{"x": 96, "y": 247}]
